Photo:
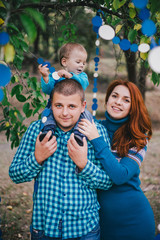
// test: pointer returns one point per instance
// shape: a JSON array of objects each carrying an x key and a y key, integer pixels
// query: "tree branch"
[{"x": 62, "y": 6}]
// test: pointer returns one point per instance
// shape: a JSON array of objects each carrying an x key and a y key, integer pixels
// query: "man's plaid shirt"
[{"x": 62, "y": 196}]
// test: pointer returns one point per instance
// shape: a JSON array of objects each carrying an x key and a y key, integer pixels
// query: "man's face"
[{"x": 67, "y": 110}]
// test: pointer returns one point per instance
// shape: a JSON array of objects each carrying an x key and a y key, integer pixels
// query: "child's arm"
[{"x": 44, "y": 70}]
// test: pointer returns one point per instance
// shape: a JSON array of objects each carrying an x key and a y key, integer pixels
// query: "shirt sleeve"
[
  {"x": 120, "y": 170},
  {"x": 82, "y": 78},
  {"x": 93, "y": 174},
  {"x": 48, "y": 87},
  {"x": 24, "y": 166}
]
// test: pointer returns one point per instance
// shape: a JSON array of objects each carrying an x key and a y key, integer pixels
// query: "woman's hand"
[{"x": 88, "y": 129}]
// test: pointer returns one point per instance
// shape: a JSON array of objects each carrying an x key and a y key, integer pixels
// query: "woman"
[{"x": 125, "y": 211}]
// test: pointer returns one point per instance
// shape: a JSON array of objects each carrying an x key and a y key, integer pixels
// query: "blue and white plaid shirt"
[{"x": 62, "y": 196}]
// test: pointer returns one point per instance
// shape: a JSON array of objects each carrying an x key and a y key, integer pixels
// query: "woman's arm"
[{"x": 119, "y": 172}]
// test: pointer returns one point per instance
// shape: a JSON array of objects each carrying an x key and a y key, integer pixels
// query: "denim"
[{"x": 93, "y": 235}]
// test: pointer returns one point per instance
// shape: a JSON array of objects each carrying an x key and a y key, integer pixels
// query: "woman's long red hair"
[{"x": 137, "y": 130}]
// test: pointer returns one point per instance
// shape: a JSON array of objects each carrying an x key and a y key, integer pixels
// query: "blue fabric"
[
  {"x": 125, "y": 212},
  {"x": 62, "y": 195}
]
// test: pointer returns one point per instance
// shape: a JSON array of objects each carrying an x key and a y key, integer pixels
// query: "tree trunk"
[
  {"x": 131, "y": 66},
  {"x": 142, "y": 79}
]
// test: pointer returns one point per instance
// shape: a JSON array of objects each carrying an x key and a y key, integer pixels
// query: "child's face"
[{"x": 75, "y": 62}]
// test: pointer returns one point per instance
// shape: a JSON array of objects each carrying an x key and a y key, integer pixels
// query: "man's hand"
[
  {"x": 44, "y": 70},
  {"x": 77, "y": 153},
  {"x": 46, "y": 148},
  {"x": 64, "y": 73}
]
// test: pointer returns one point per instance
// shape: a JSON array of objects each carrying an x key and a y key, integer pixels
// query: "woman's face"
[{"x": 119, "y": 102}]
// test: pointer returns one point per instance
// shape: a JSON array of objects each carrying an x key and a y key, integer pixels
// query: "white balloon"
[
  {"x": 55, "y": 76},
  {"x": 97, "y": 43},
  {"x": 106, "y": 32},
  {"x": 154, "y": 59},
  {"x": 143, "y": 47}
]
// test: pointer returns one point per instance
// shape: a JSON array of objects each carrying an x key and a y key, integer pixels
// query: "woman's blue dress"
[{"x": 125, "y": 212}]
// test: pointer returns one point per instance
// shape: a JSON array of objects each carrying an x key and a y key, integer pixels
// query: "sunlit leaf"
[
  {"x": 118, "y": 28},
  {"x": 143, "y": 55},
  {"x": 9, "y": 53},
  {"x": 132, "y": 13},
  {"x": 137, "y": 27}
]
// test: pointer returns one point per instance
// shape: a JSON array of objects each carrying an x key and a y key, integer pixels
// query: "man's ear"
[
  {"x": 63, "y": 62},
  {"x": 83, "y": 106}
]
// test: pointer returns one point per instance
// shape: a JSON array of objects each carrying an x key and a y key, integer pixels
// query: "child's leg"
[
  {"x": 77, "y": 134},
  {"x": 47, "y": 123}
]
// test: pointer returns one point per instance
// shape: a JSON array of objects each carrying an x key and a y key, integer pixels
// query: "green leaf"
[
  {"x": 16, "y": 90},
  {"x": 132, "y": 35},
  {"x": 29, "y": 27},
  {"x": 26, "y": 107},
  {"x": 29, "y": 113},
  {"x": 132, "y": 13},
  {"x": 155, "y": 78},
  {"x": 21, "y": 98},
  {"x": 33, "y": 83},
  {"x": 37, "y": 16},
  {"x": 118, "y": 4}
]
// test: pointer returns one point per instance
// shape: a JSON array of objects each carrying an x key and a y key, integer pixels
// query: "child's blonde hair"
[{"x": 66, "y": 49}]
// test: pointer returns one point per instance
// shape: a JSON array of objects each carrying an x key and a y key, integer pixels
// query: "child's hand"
[
  {"x": 64, "y": 73},
  {"x": 44, "y": 70}
]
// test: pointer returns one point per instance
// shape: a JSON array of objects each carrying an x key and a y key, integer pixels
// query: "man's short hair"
[{"x": 68, "y": 87}]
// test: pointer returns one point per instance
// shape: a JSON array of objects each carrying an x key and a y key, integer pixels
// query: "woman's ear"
[{"x": 63, "y": 62}]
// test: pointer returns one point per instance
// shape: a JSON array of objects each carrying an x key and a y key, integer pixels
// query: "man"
[{"x": 65, "y": 203}]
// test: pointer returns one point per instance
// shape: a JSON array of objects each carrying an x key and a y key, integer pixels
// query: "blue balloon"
[
  {"x": 94, "y": 100},
  {"x": 153, "y": 43},
  {"x": 97, "y": 21},
  {"x": 52, "y": 69},
  {"x": 140, "y": 3},
  {"x": 116, "y": 40},
  {"x": 94, "y": 89},
  {"x": 5, "y": 75},
  {"x": 97, "y": 51},
  {"x": 48, "y": 63},
  {"x": 1, "y": 95},
  {"x": 125, "y": 44},
  {"x": 144, "y": 14},
  {"x": 148, "y": 28},
  {"x": 4, "y": 38},
  {"x": 96, "y": 69},
  {"x": 95, "y": 29},
  {"x": 96, "y": 59},
  {"x": 40, "y": 60},
  {"x": 94, "y": 106},
  {"x": 95, "y": 84},
  {"x": 134, "y": 47}
]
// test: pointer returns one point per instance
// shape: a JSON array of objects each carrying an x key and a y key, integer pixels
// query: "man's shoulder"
[
  {"x": 34, "y": 126},
  {"x": 100, "y": 127}
]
